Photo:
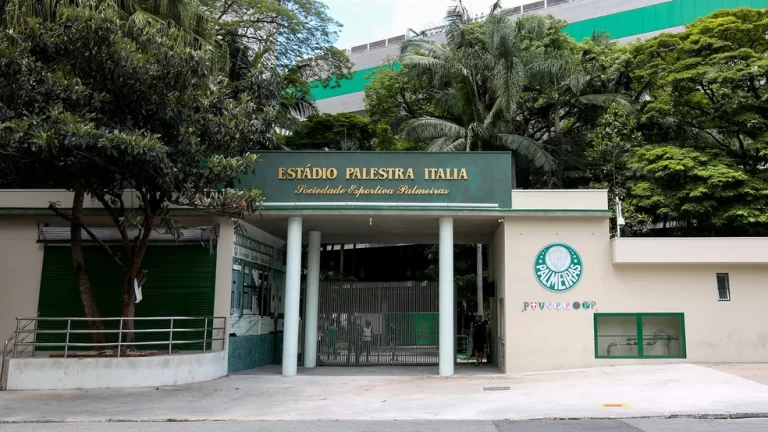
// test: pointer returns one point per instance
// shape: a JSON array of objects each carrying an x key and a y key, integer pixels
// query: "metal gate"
[{"x": 378, "y": 323}]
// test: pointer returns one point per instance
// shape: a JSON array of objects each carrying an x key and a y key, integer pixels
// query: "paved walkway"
[
  {"x": 610, "y": 425},
  {"x": 352, "y": 394}
]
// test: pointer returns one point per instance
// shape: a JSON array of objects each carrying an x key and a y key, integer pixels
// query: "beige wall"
[
  {"x": 735, "y": 331},
  {"x": 690, "y": 250},
  {"x": 21, "y": 264},
  {"x": 554, "y": 199}
]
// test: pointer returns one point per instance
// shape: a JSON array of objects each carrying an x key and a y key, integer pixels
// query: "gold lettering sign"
[{"x": 309, "y": 172}]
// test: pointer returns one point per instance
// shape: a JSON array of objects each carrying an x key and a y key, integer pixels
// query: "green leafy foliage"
[
  {"x": 700, "y": 192},
  {"x": 345, "y": 131},
  {"x": 398, "y": 92},
  {"x": 675, "y": 125},
  {"x": 95, "y": 104},
  {"x": 706, "y": 86}
]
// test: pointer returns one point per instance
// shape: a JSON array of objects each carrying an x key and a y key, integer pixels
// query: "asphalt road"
[{"x": 631, "y": 425}]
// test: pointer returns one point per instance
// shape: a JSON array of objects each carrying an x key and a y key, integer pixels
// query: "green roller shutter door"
[{"x": 180, "y": 282}]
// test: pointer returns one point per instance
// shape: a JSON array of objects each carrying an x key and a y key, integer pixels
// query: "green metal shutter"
[{"x": 180, "y": 282}]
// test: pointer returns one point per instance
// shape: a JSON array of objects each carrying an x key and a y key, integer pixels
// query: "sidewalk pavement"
[{"x": 368, "y": 393}]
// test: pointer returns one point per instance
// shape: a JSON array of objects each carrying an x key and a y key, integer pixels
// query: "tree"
[
  {"x": 386, "y": 140},
  {"x": 483, "y": 68},
  {"x": 293, "y": 36},
  {"x": 695, "y": 192},
  {"x": 344, "y": 131},
  {"x": 396, "y": 93},
  {"x": 567, "y": 88},
  {"x": 196, "y": 26},
  {"x": 612, "y": 138},
  {"x": 706, "y": 87},
  {"x": 701, "y": 95},
  {"x": 101, "y": 107}
]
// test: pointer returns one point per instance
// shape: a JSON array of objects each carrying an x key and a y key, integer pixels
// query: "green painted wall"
[
  {"x": 619, "y": 25},
  {"x": 252, "y": 351},
  {"x": 180, "y": 282},
  {"x": 654, "y": 18},
  {"x": 356, "y": 84}
]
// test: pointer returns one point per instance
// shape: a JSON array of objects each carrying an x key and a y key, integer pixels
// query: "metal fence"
[
  {"x": 71, "y": 337},
  {"x": 378, "y": 323}
]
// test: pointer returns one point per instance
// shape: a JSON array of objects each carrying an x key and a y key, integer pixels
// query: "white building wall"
[
  {"x": 715, "y": 331},
  {"x": 498, "y": 275}
]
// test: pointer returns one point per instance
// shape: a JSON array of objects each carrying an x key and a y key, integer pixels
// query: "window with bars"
[{"x": 723, "y": 287}]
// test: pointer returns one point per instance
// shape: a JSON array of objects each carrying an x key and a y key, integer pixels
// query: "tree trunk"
[
  {"x": 78, "y": 262},
  {"x": 557, "y": 120},
  {"x": 128, "y": 311},
  {"x": 133, "y": 273},
  {"x": 480, "y": 279}
]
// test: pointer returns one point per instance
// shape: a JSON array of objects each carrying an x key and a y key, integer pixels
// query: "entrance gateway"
[{"x": 376, "y": 198}]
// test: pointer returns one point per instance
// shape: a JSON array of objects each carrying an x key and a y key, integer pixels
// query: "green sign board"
[
  {"x": 415, "y": 179},
  {"x": 558, "y": 267}
]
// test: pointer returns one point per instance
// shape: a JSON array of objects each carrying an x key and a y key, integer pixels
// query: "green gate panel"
[
  {"x": 415, "y": 328},
  {"x": 180, "y": 282}
]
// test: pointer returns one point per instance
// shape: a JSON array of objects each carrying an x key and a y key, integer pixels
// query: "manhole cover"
[{"x": 495, "y": 388}]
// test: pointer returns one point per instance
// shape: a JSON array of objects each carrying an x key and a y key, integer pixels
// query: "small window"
[{"x": 723, "y": 287}]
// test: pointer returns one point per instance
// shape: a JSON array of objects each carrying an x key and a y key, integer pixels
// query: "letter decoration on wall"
[{"x": 557, "y": 306}]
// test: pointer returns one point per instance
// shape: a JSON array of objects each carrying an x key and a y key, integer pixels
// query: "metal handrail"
[{"x": 18, "y": 343}]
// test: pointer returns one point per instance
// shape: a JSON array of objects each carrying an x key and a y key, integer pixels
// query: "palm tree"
[
  {"x": 561, "y": 88},
  {"x": 486, "y": 82},
  {"x": 559, "y": 80},
  {"x": 487, "y": 77}
]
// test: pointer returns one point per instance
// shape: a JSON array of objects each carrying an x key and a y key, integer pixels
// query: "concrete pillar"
[
  {"x": 292, "y": 297},
  {"x": 222, "y": 299},
  {"x": 446, "y": 306},
  {"x": 313, "y": 292}
]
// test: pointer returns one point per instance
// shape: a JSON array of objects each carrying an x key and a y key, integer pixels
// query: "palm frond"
[
  {"x": 429, "y": 128},
  {"x": 422, "y": 61},
  {"x": 528, "y": 149},
  {"x": 423, "y": 45},
  {"x": 607, "y": 99},
  {"x": 447, "y": 144},
  {"x": 456, "y": 16},
  {"x": 495, "y": 7},
  {"x": 449, "y": 102}
]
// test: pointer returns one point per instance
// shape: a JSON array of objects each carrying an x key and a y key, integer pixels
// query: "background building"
[{"x": 624, "y": 21}]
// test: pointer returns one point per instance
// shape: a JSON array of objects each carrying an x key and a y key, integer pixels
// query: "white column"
[
  {"x": 292, "y": 297},
  {"x": 313, "y": 292},
  {"x": 446, "y": 350}
]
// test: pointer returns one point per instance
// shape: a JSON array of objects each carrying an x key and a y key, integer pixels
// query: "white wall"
[
  {"x": 715, "y": 331},
  {"x": 554, "y": 199},
  {"x": 690, "y": 250},
  {"x": 91, "y": 373},
  {"x": 21, "y": 264}
]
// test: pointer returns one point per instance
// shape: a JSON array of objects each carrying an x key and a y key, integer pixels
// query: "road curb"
[{"x": 719, "y": 416}]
